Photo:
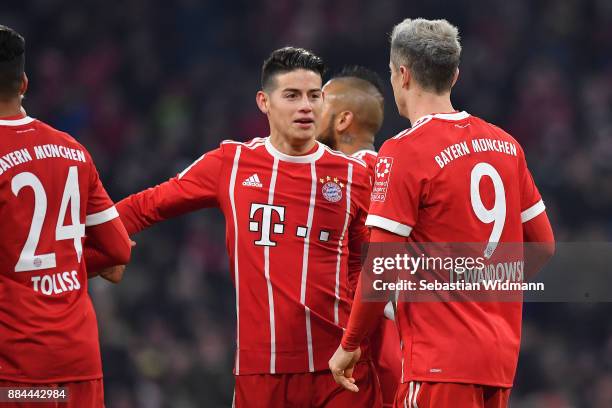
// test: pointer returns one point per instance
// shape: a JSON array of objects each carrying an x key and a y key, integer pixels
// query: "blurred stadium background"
[{"x": 147, "y": 86}]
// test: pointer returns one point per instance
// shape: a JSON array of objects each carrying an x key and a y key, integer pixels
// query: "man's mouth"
[{"x": 304, "y": 123}]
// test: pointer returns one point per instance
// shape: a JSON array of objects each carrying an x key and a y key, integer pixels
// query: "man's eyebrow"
[{"x": 299, "y": 90}]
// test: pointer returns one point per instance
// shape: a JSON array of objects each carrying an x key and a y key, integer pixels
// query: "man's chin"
[{"x": 303, "y": 135}]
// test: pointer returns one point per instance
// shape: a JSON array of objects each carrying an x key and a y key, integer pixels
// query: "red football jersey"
[
  {"x": 369, "y": 157},
  {"x": 456, "y": 178},
  {"x": 292, "y": 222},
  {"x": 49, "y": 192}
]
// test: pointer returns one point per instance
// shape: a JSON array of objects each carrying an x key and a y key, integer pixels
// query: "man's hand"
[
  {"x": 113, "y": 274},
  {"x": 342, "y": 365}
]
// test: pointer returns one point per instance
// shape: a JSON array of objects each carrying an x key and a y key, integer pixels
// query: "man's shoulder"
[
  {"x": 48, "y": 140},
  {"x": 50, "y": 134},
  {"x": 339, "y": 157},
  {"x": 252, "y": 144},
  {"x": 365, "y": 155}
]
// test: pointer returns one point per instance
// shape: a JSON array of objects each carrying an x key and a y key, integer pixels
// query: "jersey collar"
[
  {"x": 16, "y": 122},
  {"x": 445, "y": 116},
  {"x": 309, "y": 158}
]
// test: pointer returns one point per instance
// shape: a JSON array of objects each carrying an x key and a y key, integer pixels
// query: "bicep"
[{"x": 538, "y": 229}]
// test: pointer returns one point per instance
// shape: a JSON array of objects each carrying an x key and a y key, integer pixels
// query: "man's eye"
[{"x": 290, "y": 95}]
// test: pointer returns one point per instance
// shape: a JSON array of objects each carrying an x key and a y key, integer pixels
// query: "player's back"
[
  {"x": 471, "y": 172},
  {"x": 47, "y": 324},
  {"x": 458, "y": 180}
]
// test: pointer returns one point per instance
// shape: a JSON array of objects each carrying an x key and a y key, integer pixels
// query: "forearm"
[
  {"x": 106, "y": 245},
  {"x": 362, "y": 321},
  {"x": 365, "y": 315}
]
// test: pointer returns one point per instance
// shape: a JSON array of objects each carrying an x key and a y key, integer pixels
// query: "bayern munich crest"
[{"x": 332, "y": 189}]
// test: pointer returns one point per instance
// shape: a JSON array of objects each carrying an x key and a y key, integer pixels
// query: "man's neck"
[
  {"x": 360, "y": 141},
  {"x": 424, "y": 103},
  {"x": 292, "y": 148},
  {"x": 10, "y": 108},
  {"x": 351, "y": 149}
]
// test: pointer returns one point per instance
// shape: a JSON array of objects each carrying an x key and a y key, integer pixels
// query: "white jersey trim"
[
  {"x": 253, "y": 144},
  {"x": 182, "y": 173},
  {"x": 388, "y": 225},
  {"x": 309, "y": 158},
  {"x": 311, "y": 207},
  {"x": 416, "y": 394},
  {"x": 389, "y": 311},
  {"x": 408, "y": 398},
  {"x": 427, "y": 118},
  {"x": 452, "y": 116},
  {"x": 360, "y": 153},
  {"x": 533, "y": 211},
  {"x": 17, "y": 122},
  {"x": 232, "y": 185},
  {"x": 417, "y": 124},
  {"x": 101, "y": 217},
  {"x": 268, "y": 280}
]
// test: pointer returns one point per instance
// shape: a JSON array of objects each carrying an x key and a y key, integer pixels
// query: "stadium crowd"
[{"x": 148, "y": 88}]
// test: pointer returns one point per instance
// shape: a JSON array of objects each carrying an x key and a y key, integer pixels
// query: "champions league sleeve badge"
[{"x": 332, "y": 189}]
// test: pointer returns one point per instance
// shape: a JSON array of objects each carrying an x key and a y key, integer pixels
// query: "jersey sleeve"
[
  {"x": 194, "y": 188},
  {"x": 398, "y": 185},
  {"x": 531, "y": 200},
  {"x": 100, "y": 208},
  {"x": 106, "y": 245}
]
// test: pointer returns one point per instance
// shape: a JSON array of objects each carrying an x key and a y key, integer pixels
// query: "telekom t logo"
[{"x": 266, "y": 222}]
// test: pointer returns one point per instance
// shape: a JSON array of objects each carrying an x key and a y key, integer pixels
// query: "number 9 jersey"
[
  {"x": 454, "y": 178},
  {"x": 49, "y": 193}
]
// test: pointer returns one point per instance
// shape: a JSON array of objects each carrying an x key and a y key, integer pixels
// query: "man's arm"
[
  {"x": 540, "y": 244},
  {"x": 106, "y": 245},
  {"x": 106, "y": 242},
  {"x": 362, "y": 321},
  {"x": 536, "y": 226},
  {"x": 193, "y": 189}
]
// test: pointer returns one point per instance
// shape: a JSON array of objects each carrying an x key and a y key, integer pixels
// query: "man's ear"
[
  {"x": 455, "y": 77},
  {"x": 263, "y": 101},
  {"x": 23, "y": 87},
  {"x": 406, "y": 76},
  {"x": 344, "y": 121}
]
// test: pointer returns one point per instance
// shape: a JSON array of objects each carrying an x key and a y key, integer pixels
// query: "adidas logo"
[{"x": 252, "y": 181}]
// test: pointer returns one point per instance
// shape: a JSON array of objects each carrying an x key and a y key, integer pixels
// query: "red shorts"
[
  {"x": 89, "y": 393},
  {"x": 307, "y": 390},
  {"x": 416, "y": 394},
  {"x": 387, "y": 358}
]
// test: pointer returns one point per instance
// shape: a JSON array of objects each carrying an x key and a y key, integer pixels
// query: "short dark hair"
[
  {"x": 363, "y": 73},
  {"x": 288, "y": 59},
  {"x": 12, "y": 61}
]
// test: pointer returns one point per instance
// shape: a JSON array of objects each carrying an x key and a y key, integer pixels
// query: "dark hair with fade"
[
  {"x": 12, "y": 61},
  {"x": 289, "y": 59},
  {"x": 363, "y": 73}
]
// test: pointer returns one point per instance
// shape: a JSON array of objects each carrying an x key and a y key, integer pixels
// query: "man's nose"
[{"x": 306, "y": 104}]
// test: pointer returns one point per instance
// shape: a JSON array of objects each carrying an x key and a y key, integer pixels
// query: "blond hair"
[{"x": 430, "y": 49}]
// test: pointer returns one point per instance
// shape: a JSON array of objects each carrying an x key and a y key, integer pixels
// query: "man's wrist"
[{"x": 349, "y": 346}]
